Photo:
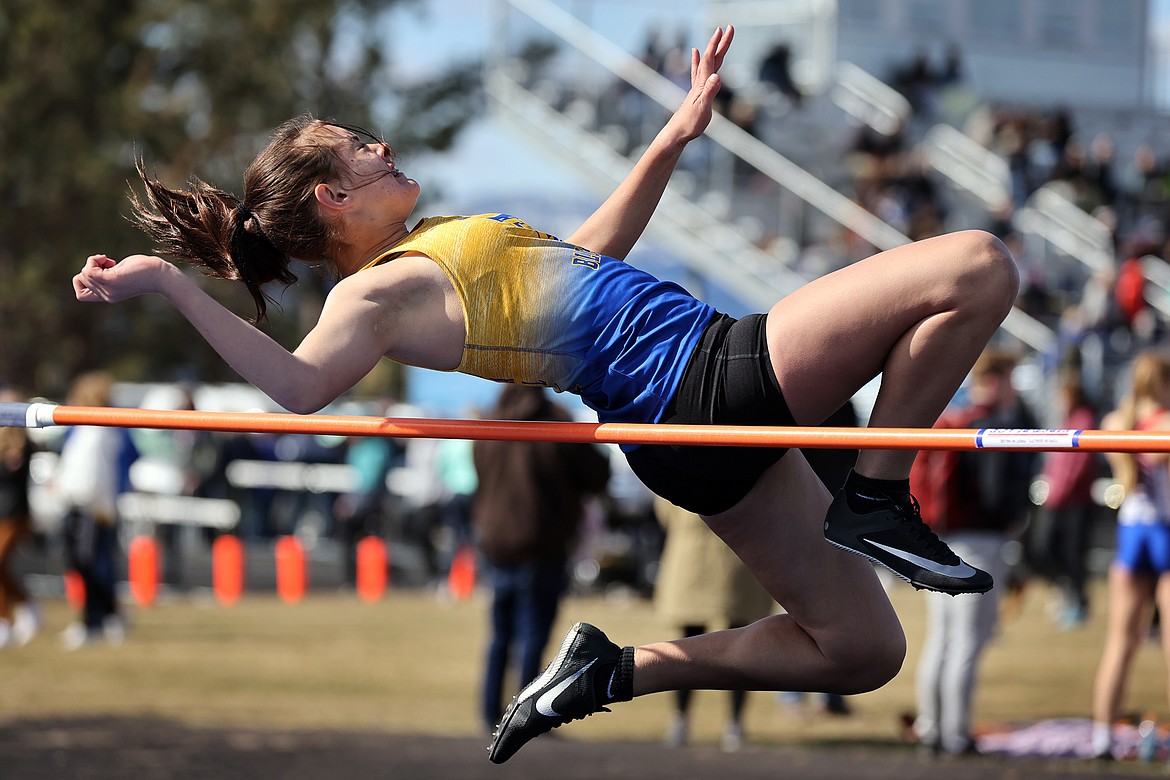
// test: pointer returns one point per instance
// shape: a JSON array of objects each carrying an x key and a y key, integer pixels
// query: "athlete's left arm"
[{"x": 618, "y": 223}]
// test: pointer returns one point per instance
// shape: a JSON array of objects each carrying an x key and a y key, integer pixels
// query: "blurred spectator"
[
  {"x": 1058, "y": 542},
  {"x": 1145, "y": 185},
  {"x": 890, "y": 181},
  {"x": 20, "y": 618},
  {"x": 915, "y": 81},
  {"x": 973, "y": 501},
  {"x": 215, "y": 455},
  {"x": 1035, "y": 298},
  {"x": 1098, "y": 171},
  {"x": 1129, "y": 293},
  {"x": 921, "y": 83},
  {"x": 415, "y": 503},
  {"x": 455, "y": 468},
  {"x": 526, "y": 512},
  {"x": 952, "y": 67},
  {"x": 94, "y": 469},
  {"x": 703, "y": 586},
  {"x": 305, "y": 513},
  {"x": 1139, "y": 578},
  {"x": 1049, "y": 144},
  {"x": 633, "y": 109},
  {"x": 776, "y": 72},
  {"x": 359, "y": 513},
  {"x": 179, "y": 448},
  {"x": 676, "y": 61},
  {"x": 1013, "y": 143},
  {"x": 652, "y": 55}
]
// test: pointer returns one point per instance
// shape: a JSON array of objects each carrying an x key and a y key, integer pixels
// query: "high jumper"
[{"x": 492, "y": 296}]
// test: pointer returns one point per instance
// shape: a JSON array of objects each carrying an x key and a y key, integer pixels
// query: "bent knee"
[
  {"x": 869, "y": 662},
  {"x": 991, "y": 274}
]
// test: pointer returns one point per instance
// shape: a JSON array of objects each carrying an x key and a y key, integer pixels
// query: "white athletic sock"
[{"x": 1102, "y": 738}]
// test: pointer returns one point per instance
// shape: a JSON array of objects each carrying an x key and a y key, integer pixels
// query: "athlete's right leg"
[{"x": 839, "y": 633}]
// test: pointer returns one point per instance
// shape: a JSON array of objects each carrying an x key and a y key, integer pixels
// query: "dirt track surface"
[{"x": 143, "y": 749}]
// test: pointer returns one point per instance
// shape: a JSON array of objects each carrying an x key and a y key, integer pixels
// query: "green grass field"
[{"x": 410, "y": 664}]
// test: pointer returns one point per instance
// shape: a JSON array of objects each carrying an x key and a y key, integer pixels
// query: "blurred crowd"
[{"x": 1102, "y": 316}]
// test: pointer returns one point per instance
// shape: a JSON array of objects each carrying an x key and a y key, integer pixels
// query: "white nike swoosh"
[
  {"x": 609, "y": 686},
  {"x": 544, "y": 705},
  {"x": 961, "y": 571}
]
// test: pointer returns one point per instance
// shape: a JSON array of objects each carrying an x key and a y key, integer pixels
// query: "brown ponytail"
[{"x": 252, "y": 239}]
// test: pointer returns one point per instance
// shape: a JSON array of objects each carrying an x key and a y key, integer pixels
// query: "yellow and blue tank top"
[{"x": 545, "y": 312}]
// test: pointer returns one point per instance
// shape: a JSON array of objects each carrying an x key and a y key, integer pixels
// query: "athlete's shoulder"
[{"x": 407, "y": 270}]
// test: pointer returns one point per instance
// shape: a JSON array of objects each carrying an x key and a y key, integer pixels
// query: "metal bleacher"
[{"x": 562, "y": 103}]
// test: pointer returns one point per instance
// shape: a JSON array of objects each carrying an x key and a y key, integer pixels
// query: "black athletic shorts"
[{"x": 728, "y": 381}]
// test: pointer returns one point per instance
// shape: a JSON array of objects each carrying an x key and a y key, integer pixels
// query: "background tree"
[{"x": 193, "y": 86}]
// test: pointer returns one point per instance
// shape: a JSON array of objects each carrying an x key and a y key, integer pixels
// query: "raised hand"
[
  {"x": 618, "y": 223},
  {"x": 104, "y": 280},
  {"x": 693, "y": 116}
]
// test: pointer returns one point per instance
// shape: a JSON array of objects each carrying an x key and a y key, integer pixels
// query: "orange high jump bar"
[{"x": 41, "y": 415}]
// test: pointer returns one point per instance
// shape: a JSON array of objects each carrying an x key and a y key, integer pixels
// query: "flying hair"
[{"x": 253, "y": 238}]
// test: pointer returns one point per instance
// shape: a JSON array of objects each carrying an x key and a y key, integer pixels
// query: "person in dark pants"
[
  {"x": 526, "y": 511},
  {"x": 1059, "y": 538},
  {"x": 93, "y": 470}
]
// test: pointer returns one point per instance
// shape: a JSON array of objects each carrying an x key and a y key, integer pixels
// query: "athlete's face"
[{"x": 370, "y": 168}]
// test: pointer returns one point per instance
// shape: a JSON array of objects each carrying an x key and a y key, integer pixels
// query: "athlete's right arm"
[
  {"x": 339, "y": 351},
  {"x": 619, "y": 222}
]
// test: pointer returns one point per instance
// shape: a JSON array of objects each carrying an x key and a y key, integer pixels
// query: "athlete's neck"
[{"x": 354, "y": 256}]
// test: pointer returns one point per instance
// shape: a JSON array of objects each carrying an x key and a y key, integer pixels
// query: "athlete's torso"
[{"x": 538, "y": 310}]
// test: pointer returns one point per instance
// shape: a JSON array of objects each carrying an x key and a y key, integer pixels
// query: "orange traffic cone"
[
  {"x": 74, "y": 589},
  {"x": 291, "y": 575},
  {"x": 372, "y": 568},
  {"x": 227, "y": 569},
  {"x": 461, "y": 579},
  {"x": 142, "y": 568}
]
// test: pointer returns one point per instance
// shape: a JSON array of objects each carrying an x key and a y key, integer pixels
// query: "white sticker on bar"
[
  {"x": 1027, "y": 438},
  {"x": 40, "y": 415}
]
